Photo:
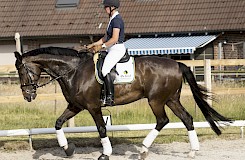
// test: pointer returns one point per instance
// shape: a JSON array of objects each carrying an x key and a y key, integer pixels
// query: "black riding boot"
[{"x": 109, "y": 90}]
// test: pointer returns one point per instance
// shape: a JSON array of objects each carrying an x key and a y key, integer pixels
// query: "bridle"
[
  {"x": 35, "y": 85},
  {"x": 32, "y": 82}
]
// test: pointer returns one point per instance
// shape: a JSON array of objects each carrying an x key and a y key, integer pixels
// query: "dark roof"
[{"x": 41, "y": 18}]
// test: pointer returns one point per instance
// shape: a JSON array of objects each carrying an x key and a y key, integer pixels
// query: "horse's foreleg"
[
  {"x": 105, "y": 141},
  {"x": 187, "y": 119},
  {"x": 67, "y": 114},
  {"x": 162, "y": 120}
]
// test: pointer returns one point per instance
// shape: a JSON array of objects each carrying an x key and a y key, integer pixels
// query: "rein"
[{"x": 38, "y": 86}]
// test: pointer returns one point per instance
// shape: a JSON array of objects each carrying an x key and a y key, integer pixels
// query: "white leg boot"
[
  {"x": 194, "y": 143},
  {"x": 148, "y": 142}
]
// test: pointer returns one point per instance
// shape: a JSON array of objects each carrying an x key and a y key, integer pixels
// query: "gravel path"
[{"x": 209, "y": 150}]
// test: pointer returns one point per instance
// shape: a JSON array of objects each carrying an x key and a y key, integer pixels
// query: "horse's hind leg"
[
  {"x": 187, "y": 119},
  {"x": 69, "y": 112},
  {"x": 161, "y": 118}
]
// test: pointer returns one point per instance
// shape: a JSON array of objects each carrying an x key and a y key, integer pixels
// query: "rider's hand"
[
  {"x": 95, "y": 48},
  {"x": 90, "y": 46}
]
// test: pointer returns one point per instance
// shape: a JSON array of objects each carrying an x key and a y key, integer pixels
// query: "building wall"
[
  {"x": 206, "y": 52},
  {"x": 7, "y": 47},
  {"x": 232, "y": 46},
  {"x": 57, "y": 41}
]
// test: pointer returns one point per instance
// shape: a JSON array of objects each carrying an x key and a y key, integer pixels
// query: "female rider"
[{"x": 112, "y": 41}]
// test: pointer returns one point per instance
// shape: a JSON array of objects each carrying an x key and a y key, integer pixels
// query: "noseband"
[{"x": 32, "y": 83}]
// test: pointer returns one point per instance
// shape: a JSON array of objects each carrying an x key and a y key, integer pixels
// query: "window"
[{"x": 67, "y": 3}]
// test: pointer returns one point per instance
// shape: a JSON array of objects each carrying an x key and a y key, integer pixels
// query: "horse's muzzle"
[{"x": 30, "y": 97}]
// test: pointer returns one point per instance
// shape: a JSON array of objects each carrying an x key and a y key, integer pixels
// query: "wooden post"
[
  {"x": 207, "y": 77},
  {"x": 71, "y": 122},
  {"x": 220, "y": 51},
  {"x": 192, "y": 67}
]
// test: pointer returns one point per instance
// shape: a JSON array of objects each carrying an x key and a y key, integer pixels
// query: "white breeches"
[{"x": 115, "y": 53}]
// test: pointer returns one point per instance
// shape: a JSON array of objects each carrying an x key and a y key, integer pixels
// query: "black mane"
[{"x": 53, "y": 51}]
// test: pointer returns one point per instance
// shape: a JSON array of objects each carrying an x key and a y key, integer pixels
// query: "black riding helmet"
[{"x": 111, "y": 3}]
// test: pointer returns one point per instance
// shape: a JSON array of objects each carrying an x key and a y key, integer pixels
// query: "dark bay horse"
[{"x": 157, "y": 79}]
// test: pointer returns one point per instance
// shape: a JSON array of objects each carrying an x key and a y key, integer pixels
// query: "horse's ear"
[{"x": 18, "y": 56}]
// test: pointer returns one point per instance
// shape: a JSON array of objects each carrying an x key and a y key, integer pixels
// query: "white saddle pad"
[{"x": 126, "y": 72}]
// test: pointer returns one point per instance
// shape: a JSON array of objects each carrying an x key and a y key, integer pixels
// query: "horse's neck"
[
  {"x": 67, "y": 71},
  {"x": 60, "y": 67},
  {"x": 64, "y": 72}
]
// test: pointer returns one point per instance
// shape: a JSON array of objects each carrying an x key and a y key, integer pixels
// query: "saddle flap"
[{"x": 126, "y": 69}]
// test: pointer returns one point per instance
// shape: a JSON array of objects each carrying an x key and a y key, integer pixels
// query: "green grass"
[{"x": 42, "y": 114}]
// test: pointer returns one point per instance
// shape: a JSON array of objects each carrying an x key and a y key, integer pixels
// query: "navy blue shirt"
[{"x": 116, "y": 22}]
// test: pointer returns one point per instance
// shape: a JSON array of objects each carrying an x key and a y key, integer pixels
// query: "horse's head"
[{"x": 29, "y": 74}]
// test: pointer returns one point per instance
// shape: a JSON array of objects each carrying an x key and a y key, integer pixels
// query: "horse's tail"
[{"x": 200, "y": 96}]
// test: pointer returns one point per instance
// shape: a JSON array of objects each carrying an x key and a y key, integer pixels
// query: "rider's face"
[{"x": 107, "y": 9}]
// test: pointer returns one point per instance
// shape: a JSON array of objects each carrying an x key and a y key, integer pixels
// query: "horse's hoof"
[
  {"x": 70, "y": 150},
  {"x": 192, "y": 154},
  {"x": 143, "y": 155},
  {"x": 103, "y": 157}
]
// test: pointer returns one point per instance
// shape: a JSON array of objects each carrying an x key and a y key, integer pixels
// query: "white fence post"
[
  {"x": 18, "y": 43},
  {"x": 207, "y": 78}
]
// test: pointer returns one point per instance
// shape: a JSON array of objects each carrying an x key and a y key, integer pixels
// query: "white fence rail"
[{"x": 129, "y": 127}]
